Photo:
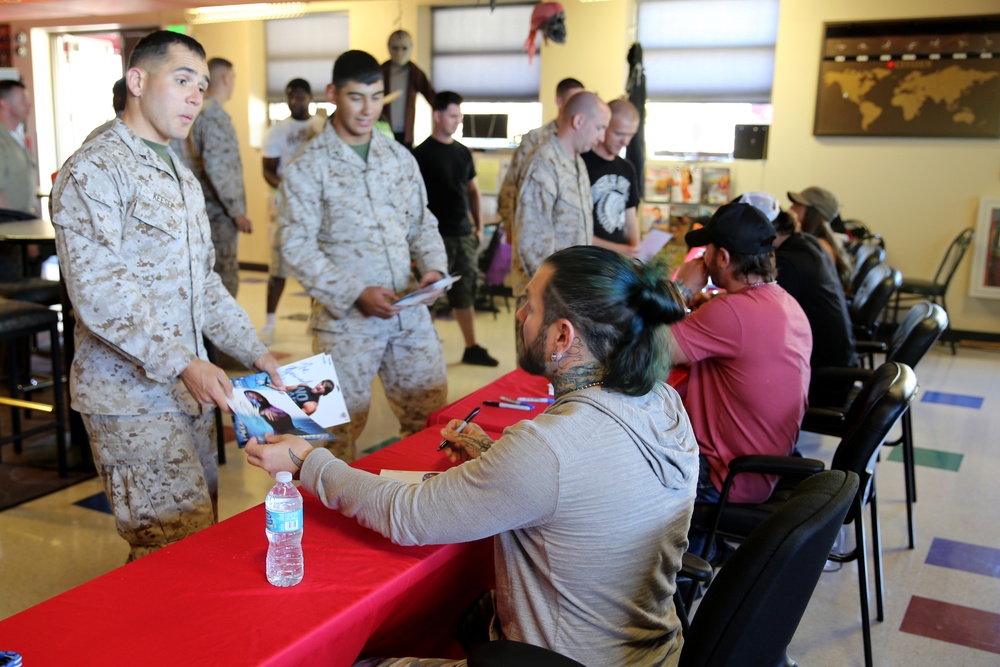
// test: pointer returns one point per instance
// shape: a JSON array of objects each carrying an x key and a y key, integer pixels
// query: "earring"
[{"x": 555, "y": 356}]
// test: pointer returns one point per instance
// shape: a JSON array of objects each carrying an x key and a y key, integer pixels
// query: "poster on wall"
[
  {"x": 715, "y": 185},
  {"x": 659, "y": 182},
  {"x": 910, "y": 78},
  {"x": 985, "y": 280}
]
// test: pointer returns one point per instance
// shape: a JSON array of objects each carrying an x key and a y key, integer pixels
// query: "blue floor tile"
[
  {"x": 973, "y": 558},
  {"x": 958, "y": 400},
  {"x": 97, "y": 502}
]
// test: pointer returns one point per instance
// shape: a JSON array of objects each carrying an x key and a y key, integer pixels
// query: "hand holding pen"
[
  {"x": 469, "y": 444},
  {"x": 460, "y": 427}
]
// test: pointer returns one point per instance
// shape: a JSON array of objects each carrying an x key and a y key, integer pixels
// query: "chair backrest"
[
  {"x": 953, "y": 257},
  {"x": 751, "y": 610},
  {"x": 917, "y": 333},
  {"x": 881, "y": 401},
  {"x": 856, "y": 232},
  {"x": 868, "y": 257},
  {"x": 873, "y": 296}
]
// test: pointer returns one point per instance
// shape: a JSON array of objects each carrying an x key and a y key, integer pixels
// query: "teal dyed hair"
[{"x": 621, "y": 307}]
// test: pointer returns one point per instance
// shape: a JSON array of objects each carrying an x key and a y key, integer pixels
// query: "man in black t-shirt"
[
  {"x": 453, "y": 197},
  {"x": 614, "y": 184}
]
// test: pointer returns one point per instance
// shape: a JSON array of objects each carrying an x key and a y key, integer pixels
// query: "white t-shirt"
[{"x": 285, "y": 138}]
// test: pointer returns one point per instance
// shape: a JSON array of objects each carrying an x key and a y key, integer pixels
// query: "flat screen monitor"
[{"x": 485, "y": 126}]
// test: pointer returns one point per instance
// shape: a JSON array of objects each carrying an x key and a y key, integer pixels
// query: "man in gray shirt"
[{"x": 590, "y": 502}]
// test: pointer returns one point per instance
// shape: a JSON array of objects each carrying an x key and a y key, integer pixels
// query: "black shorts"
[{"x": 463, "y": 254}]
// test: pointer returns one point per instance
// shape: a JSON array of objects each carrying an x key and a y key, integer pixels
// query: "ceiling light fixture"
[{"x": 260, "y": 11}]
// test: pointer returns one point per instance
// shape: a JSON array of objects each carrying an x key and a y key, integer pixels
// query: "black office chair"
[
  {"x": 881, "y": 401},
  {"x": 871, "y": 299},
  {"x": 869, "y": 254},
  {"x": 20, "y": 320},
  {"x": 856, "y": 231},
  {"x": 913, "y": 289},
  {"x": 750, "y": 612},
  {"x": 913, "y": 338}
]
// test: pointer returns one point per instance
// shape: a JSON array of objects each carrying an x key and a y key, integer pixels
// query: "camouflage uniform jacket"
[
  {"x": 553, "y": 210},
  {"x": 214, "y": 156},
  {"x": 346, "y": 225},
  {"x": 508, "y": 190},
  {"x": 136, "y": 254}
]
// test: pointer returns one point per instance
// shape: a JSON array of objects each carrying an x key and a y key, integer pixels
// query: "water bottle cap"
[{"x": 284, "y": 477}]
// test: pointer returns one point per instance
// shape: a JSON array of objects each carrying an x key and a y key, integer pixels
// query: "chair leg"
[
  {"x": 862, "y": 560},
  {"x": 14, "y": 373},
  {"x": 910, "y": 476},
  {"x": 60, "y": 402},
  {"x": 220, "y": 436},
  {"x": 877, "y": 554}
]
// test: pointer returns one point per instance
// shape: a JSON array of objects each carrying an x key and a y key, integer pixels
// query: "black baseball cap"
[{"x": 739, "y": 228}]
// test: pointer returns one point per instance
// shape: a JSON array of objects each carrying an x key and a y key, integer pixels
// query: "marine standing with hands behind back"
[
  {"x": 136, "y": 254},
  {"x": 352, "y": 217},
  {"x": 214, "y": 156}
]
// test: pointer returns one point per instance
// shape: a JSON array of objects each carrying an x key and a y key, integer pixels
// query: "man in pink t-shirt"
[{"x": 749, "y": 352}]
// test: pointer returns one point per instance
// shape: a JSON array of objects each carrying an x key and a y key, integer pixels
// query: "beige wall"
[
  {"x": 595, "y": 51},
  {"x": 918, "y": 193},
  {"x": 242, "y": 44}
]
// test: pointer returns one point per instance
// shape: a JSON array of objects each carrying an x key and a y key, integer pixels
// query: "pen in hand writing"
[{"x": 461, "y": 427}]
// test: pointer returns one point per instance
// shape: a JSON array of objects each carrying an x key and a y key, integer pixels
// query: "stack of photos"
[{"x": 311, "y": 401}]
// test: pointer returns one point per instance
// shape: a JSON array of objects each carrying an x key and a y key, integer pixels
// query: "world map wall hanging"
[{"x": 912, "y": 78}]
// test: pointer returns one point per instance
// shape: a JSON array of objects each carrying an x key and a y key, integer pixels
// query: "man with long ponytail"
[{"x": 590, "y": 502}]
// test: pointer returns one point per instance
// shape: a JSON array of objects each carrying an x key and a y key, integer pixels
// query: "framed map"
[{"x": 915, "y": 78}]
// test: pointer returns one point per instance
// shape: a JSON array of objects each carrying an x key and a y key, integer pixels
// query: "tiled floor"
[{"x": 942, "y": 598}]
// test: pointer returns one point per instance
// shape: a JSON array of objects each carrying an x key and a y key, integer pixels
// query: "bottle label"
[{"x": 284, "y": 522}]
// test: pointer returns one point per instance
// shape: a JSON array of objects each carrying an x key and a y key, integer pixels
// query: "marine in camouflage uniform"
[
  {"x": 347, "y": 224},
  {"x": 136, "y": 254},
  {"x": 508, "y": 190},
  {"x": 553, "y": 210},
  {"x": 214, "y": 156}
]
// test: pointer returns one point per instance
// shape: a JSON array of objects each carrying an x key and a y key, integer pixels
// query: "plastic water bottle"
[{"x": 284, "y": 532}]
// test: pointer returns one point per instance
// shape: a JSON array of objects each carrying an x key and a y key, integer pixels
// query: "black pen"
[{"x": 461, "y": 427}]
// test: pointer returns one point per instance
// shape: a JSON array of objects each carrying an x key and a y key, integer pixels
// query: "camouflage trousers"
[
  {"x": 160, "y": 473},
  {"x": 225, "y": 238},
  {"x": 410, "y": 365}
]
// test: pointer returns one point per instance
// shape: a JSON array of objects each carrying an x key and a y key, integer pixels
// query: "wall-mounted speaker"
[{"x": 751, "y": 142}]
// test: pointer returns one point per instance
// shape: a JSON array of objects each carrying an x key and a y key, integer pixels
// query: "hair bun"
[{"x": 655, "y": 299}]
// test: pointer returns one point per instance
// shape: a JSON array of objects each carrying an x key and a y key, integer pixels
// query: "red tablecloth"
[
  {"x": 516, "y": 384},
  {"x": 205, "y": 600}
]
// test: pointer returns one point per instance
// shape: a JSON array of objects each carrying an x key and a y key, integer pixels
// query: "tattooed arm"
[
  {"x": 279, "y": 452},
  {"x": 467, "y": 445}
]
